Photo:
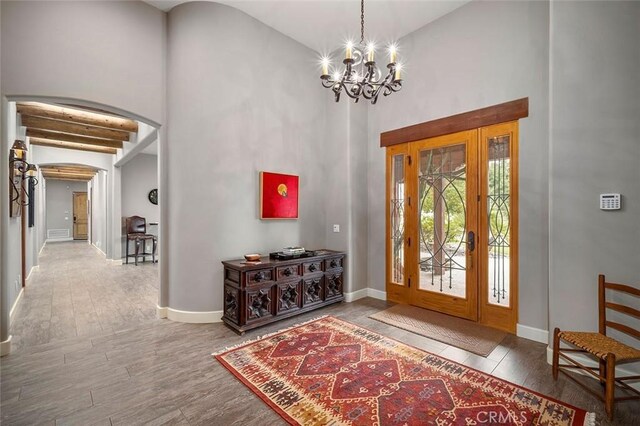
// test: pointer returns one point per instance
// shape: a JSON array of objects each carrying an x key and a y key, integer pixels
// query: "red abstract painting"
[{"x": 278, "y": 196}]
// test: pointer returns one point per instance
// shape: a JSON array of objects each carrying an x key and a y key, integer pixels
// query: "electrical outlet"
[{"x": 336, "y": 228}]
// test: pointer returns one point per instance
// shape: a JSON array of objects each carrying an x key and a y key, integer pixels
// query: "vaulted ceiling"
[{"x": 324, "y": 25}]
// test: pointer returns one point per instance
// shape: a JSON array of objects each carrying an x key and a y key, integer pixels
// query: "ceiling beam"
[
  {"x": 68, "y": 178},
  {"x": 63, "y": 176},
  {"x": 45, "y": 134},
  {"x": 77, "y": 129},
  {"x": 71, "y": 145},
  {"x": 66, "y": 172},
  {"x": 67, "y": 169},
  {"x": 77, "y": 116}
]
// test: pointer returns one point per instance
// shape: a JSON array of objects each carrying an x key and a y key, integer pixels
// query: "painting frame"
[{"x": 279, "y": 196}]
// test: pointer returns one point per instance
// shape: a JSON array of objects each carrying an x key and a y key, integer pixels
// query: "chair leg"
[
  {"x": 137, "y": 250},
  {"x": 603, "y": 372},
  {"x": 556, "y": 352},
  {"x": 127, "y": 253},
  {"x": 610, "y": 386}
]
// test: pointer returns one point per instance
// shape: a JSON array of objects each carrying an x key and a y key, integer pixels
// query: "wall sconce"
[{"x": 19, "y": 171}]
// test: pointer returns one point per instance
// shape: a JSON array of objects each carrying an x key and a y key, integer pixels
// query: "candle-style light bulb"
[
  {"x": 393, "y": 52},
  {"x": 325, "y": 66},
  {"x": 349, "y": 50},
  {"x": 371, "y": 51},
  {"x": 398, "y": 75}
]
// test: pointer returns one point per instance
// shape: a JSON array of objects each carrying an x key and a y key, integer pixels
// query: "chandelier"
[{"x": 360, "y": 76}]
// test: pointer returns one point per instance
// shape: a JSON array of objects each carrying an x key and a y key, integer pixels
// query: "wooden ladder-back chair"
[
  {"x": 609, "y": 352},
  {"x": 136, "y": 228}
]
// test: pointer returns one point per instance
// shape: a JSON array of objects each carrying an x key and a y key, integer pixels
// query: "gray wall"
[
  {"x": 119, "y": 44},
  {"x": 479, "y": 55},
  {"x": 98, "y": 188},
  {"x": 60, "y": 203},
  {"x": 223, "y": 128},
  {"x": 595, "y": 148},
  {"x": 138, "y": 177},
  {"x": 103, "y": 52}
]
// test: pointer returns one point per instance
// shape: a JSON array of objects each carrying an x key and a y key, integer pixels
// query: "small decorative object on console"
[{"x": 253, "y": 257}]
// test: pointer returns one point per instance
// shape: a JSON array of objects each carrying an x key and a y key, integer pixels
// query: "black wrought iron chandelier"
[{"x": 361, "y": 77}]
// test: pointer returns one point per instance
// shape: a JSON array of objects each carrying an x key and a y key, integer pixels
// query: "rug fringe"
[
  {"x": 264, "y": 336},
  {"x": 590, "y": 419}
]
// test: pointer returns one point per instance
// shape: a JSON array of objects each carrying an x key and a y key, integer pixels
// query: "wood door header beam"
[
  {"x": 501, "y": 113},
  {"x": 77, "y": 116}
]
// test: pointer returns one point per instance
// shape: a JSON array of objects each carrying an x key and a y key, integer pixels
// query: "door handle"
[
  {"x": 471, "y": 241},
  {"x": 74, "y": 219}
]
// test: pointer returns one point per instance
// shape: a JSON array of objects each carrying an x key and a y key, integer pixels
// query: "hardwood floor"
[{"x": 89, "y": 351}]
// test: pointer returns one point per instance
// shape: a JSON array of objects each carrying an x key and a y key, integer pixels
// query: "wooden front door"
[
  {"x": 80, "y": 217},
  {"x": 452, "y": 224},
  {"x": 443, "y": 180}
]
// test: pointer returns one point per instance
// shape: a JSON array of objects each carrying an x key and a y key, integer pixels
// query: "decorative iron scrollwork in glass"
[
  {"x": 396, "y": 207},
  {"x": 442, "y": 226},
  {"x": 499, "y": 218}
]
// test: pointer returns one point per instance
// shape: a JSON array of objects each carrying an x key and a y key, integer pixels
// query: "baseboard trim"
[
  {"x": 42, "y": 248},
  {"x": 365, "y": 292},
  {"x": 57, "y": 240},
  {"x": 532, "y": 333},
  {"x": 99, "y": 249},
  {"x": 31, "y": 271},
  {"x": 15, "y": 305},
  {"x": 355, "y": 295},
  {"x": 189, "y": 316},
  {"x": 5, "y": 347},
  {"x": 377, "y": 294},
  {"x": 590, "y": 362}
]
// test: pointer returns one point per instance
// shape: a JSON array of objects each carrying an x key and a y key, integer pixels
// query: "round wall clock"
[{"x": 153, "y": 196}]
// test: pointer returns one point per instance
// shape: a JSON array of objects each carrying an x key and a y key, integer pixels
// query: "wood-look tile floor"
[{"x": 89, "y": 351}]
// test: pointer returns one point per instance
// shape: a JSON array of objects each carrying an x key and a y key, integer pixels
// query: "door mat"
[{"x": 458, "y": 332}]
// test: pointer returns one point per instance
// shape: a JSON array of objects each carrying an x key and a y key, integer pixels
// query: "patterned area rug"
[
  {"x": 331, "y": 372},
  {"x": 453, "y": 331}
]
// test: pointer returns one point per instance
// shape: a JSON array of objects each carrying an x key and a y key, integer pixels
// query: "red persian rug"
[{"x": 331, "y": 372}]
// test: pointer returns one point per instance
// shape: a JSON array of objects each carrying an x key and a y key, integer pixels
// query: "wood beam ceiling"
[
  {"x": 68, "y": 169},
  {"x": 35, "y": 109},
  {"x": 72, "y": 145},
  {"x": 66, "y": 137},
  {"x": 73, "y": 128},
  {"x": 64, "y": 177}
]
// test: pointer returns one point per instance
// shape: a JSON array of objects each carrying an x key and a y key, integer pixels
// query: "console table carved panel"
[{"x": 258, "y": 293}]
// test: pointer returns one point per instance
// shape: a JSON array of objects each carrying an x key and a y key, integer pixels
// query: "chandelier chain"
[{"x": 362, "y": 22}]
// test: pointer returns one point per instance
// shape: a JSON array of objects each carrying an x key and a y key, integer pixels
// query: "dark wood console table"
[{"x": 258, "y": 293}]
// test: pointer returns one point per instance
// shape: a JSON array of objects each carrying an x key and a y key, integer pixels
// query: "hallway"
[{"x": 76, "y": 292}]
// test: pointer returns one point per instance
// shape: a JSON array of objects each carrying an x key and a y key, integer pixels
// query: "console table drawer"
[
  {"x": 333, "y": 263},
  {"x": 309, "y": 268},
  {"x": 287, "y": 272},
  {"x": 259, "y": 277}
]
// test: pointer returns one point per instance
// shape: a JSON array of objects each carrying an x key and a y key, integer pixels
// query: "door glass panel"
[
  {"x": 498, "y": 215},
  {"x": 397, "y": 218},
  {"x": 442, "y": 196}
]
